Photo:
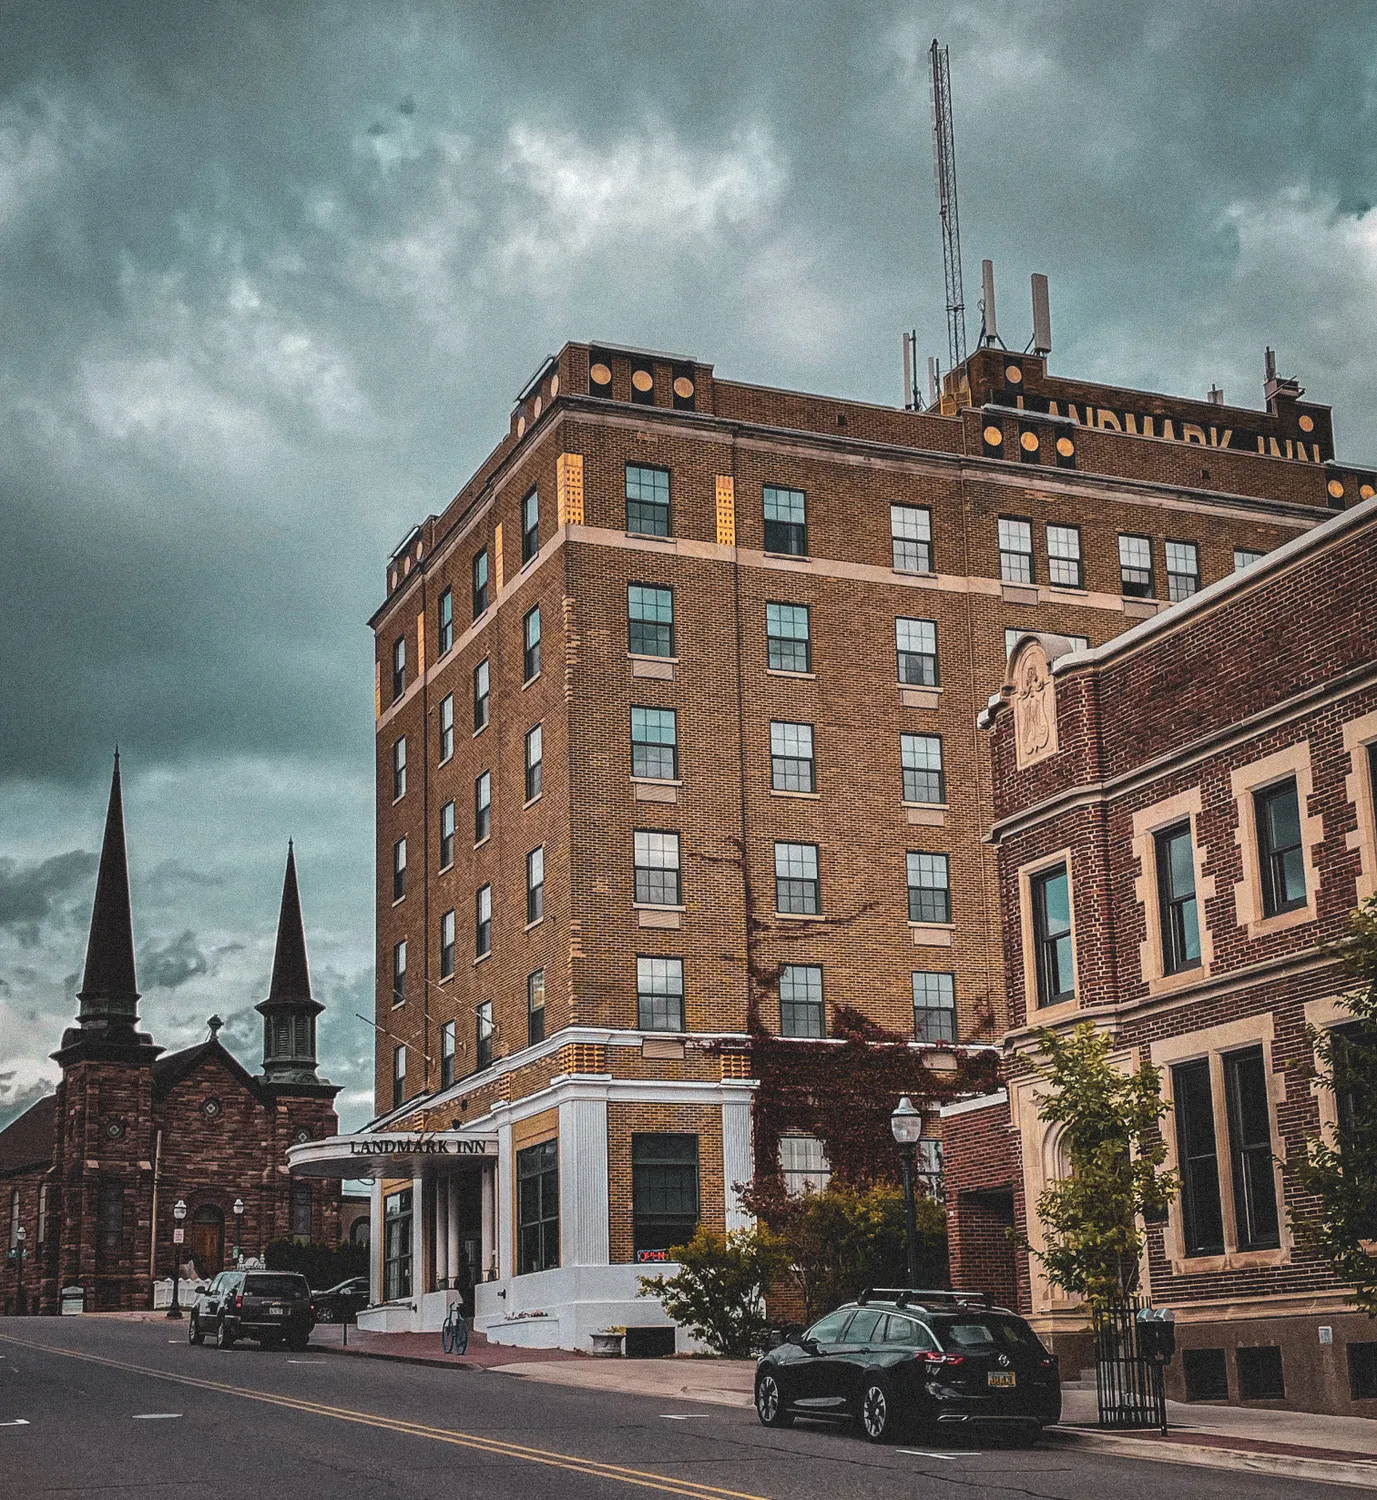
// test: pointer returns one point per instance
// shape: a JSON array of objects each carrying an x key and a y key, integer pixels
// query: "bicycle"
[{"x": 454, "y": 1331}]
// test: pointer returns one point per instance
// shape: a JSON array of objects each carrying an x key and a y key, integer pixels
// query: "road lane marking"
[
  {"x": 308, "y": 1361},
  {"x": 18, "y": 1422},
  {"x": 668, "y": 1484},
  {"x": 922, "y": 1453},
  {"x": 155, "y": 1416},
  {"x": 687, "y": 1416}
]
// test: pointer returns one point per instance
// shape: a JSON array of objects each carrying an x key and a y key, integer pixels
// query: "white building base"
[
  {"x": 576, "y": 1302},
  {"x": 390, "y": 1317}
]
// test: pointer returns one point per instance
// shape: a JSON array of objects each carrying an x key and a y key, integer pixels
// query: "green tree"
[
  {"x": 718, "y": 1293},
  {"x": 1109, "y": 1120},
  {"x": 1340, "y": 1173}
]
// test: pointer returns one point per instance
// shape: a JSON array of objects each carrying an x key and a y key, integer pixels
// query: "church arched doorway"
[{"x": 207, "y": 1239}]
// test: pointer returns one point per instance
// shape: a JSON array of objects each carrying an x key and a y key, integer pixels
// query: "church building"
[{"x": 93, "y": 1173}]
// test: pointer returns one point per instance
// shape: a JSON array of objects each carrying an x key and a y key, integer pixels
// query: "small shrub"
[{"x": 718, "y": 1294}]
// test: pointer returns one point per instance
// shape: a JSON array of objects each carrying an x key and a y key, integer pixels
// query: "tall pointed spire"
[
  {"x": 109, "y": 988},
  {"x": 291, "y": 974},
  {"x": 289, "y": 1013}
]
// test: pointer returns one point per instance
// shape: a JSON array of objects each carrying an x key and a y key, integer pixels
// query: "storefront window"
[
  {"x": 397, "y": 1245},
  {"x": 664, "y": 1189},
  {"x": 537, "y": 1208}
]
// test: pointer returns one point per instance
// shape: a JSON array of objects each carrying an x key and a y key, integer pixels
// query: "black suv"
[
  {"x": 273, "y": 1307},
  {"x": 918, "y": 1359}
]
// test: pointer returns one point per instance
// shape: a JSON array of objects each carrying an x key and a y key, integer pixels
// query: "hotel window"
[
  {"x": 447, "y": 1048},
  {"x": 1015, "y": 550},
  {"x": 445, "y": 616},
  {"x": 482, "y": 921},
  {"x": 398, "y": 667},
  {"x": 924, "y": 780},
  {"x": 399, "y": 870},
  {"x": 789, "y": 638},
  {"x": 446, "y": 728},
  {"x": 786, "y": 521},
  {"x": 660, "y": 994},
  {"x": 482, "y": 1036},
  {"x": 1250, "y": 1147},
  {"x": 535, "y": 885},
  {"x": 915, "y": 646},
  {"x": 647, "y": 501},
  {"x": 1064, "y": 557},
  {"x": 480, "y": 582},
  {"x": 655, "y": 744},
  {"x": 1178, "y": 916},
  {"x": 301, "y": 1211},
  {"x": 801, "y": 1008},
  {"x": 1280, "y": 858},
  {"x": 480, "y": 695},
  {"x": 929, "y": 888},
  {"x": 530, "y": 526},
  {"x": 929, "y": 1168},
  {"x": 399, "y": 973},
  {"x": 1197, "y": 1159},
  {"x": 664, "y": 1193},
  {"x": 1056, "y": 967},
  {"x": 447, "y": 945},
  {"x": 399, "y": 769},
  {"x": 1183, "y": 570},
  {"x": 482, "y": 807},
  {"x": 803, "y": 1164},
  {"x": 792, "y": 768},
  {"x": 910, "y": 534},
  {"x": 535, "y": 1007},
  {"x": 530, "y": 640},
  {"x": 650, "y": 620},
  {"x": 537, "y": 1208},
  {"x": 657, "y": 868},
  {"x": 1245, "y": 557},
  {"x": 398, "y": 1076},
  {"x": 446, "y": 835},
  {"x": 934, "y": 1007},
  {"x": 1135, "y": 568},
  {"x": 797, "y": 890},
  {"x": 397, "y": 1245},
  {"x": 535, "y": 763}
]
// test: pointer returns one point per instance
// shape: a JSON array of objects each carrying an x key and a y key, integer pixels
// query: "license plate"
[
  {"x": 277, "y": 1311},
  {"x": 1002, "y": 1377}
]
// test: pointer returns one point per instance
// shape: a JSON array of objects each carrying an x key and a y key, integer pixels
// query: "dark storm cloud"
[
  {"x": 171, "y": 964},
  {"x": 28, "y": 893}
]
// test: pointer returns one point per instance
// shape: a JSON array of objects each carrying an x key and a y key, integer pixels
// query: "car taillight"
[
  {"x": 238, "y": 1301},
  {"x": 932, "y": 1358},
  {"x": 1048, "y": 1362}
]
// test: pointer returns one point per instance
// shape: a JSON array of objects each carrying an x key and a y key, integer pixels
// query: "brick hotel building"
[{"x": 676, "y": 744}]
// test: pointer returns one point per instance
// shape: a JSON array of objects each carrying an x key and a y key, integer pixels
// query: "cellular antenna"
[{"x": 944, "y": 167}]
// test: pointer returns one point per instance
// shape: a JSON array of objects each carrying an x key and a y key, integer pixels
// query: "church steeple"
[{"x": 289, "y": 1013}]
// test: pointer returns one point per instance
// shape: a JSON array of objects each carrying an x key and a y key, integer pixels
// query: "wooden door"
[{"x": 206, "y": 1241}]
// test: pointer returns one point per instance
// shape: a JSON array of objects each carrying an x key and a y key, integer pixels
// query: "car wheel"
[
  {"x": 194, "y": 1333},
  {"x": 224, "y": 1339},
  {"x": 769, "y": 1403},
  {"x": 877, "y": 1411},
  {"x": 325, "y": 1313}
]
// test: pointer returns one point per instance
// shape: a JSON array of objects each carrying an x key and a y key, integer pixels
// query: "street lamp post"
[
  {"x": 20, "y": 1306},
  {"x": 906, "y": 1123},
  {"x": 178, "y": 1214},
  {"x": 238, "y": 1221}
]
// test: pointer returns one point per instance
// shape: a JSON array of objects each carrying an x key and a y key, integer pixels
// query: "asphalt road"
[{"x": 107, "y": 1408}]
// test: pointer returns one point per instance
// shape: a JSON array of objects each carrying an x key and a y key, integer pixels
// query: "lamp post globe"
[
  {"x": 906, "y": 1126},
  {"x": 178, "y": 1215},
  {"x": 238, "y": 1221}
]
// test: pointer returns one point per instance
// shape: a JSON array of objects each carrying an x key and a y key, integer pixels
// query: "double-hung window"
[
  {"x": 910, "y": 535},
  {"x": 650, "y": 620},
  {"x": 1250, "y": 1148},
  {"x": 915, "y": 648},
  {"x": 647, "y": 501},
  {"x": 664, "y": 1193},
  {"x": 1055, "y": 960},
  {"x": 446, "y": 835},
  {"x": 786, "y": 521},
  {"x": 482, "y": 806},
  {"x": 1177, "y": 913},
  {"x": 1015, "y": 550},
  {"x": 1064, "y": 567},
  {"x": 481, "y": 687},
  {"x": 803, "y": 1164},
  {"x": 399, "y": 769},
  {"x": 482, "y": 921},
  {"x": 447, "y": 945},
  {"x": 792, "y": 767},
  {"x": 397, "y": 1244},
  {"x": 445, "y": 617},
  {"x": 1281, "y": 860},
  {"x": 530, "y": 526},
  {"x": 535, "y": 1007},
  {"x": 399, "y": 870},
  {"x": 537, "y": 1208},
  {"x": 535, "y": 885},
  {"x": 801, "y": 1008},
  {"x": 797, "y": 890},
  {"x": 535, "y": 762},
  {"x": 398, "y": 1076},
  {"x": 480, "y": 581},
  {"x": 399, "y": 973},
  {"x": 929, "y": 888},
  {"x": 1197, "y": 1159},
  {"x": 482, "y": 1036},
  {"x": 398, "y": 667},
  {"x": 1183, "y": 570},
  {"x": 655, "y": 744},
  {"x": 924, "y": 780},
  {"x": 657, "y": 868},
  {"x": 446, "y": 728},
  {"x": 447, "y": 1051},
  {"x": 1135, "y": 568},
  {"x": 1245, "y": 557},
  {"x": 660, "y": 994},
  {"x": 530, "y": 644},
  {"x": 789, "y": 638},
  {"x": 934, "y": 1007}
]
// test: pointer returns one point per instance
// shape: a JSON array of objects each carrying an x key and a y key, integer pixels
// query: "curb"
[{"x": 397, "y": 1359}]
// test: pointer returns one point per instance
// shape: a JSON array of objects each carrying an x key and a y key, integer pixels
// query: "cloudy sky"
[{"x": 271, "y": 275}]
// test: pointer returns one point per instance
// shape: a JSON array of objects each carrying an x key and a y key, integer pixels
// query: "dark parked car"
[
  {"x": 273, "y": 1307},
  {"x": 341, "y": 1304},
  {"x": 908, "y": 1359}
]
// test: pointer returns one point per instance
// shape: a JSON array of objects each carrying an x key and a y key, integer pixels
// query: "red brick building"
[
  {"x": 676, "y": 748},
  {"x": 92, "y": 1173},
  {"x": 1184, "y": 818}
]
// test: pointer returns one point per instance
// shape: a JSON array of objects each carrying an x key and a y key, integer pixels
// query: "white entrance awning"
[{"x": 391, "y": 1153}]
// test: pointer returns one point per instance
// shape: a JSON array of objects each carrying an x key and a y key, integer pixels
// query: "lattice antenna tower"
[{"x": 944, "y": 166}]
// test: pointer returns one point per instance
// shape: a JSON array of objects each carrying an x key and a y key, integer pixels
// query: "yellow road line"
[{"x": 645, "y": 1479}]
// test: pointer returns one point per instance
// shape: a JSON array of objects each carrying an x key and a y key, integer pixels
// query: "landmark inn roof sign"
[{"x": 396, "y": 1151}]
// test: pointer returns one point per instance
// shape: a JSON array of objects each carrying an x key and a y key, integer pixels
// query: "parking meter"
[{"x": 1156, "y": 1334}]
